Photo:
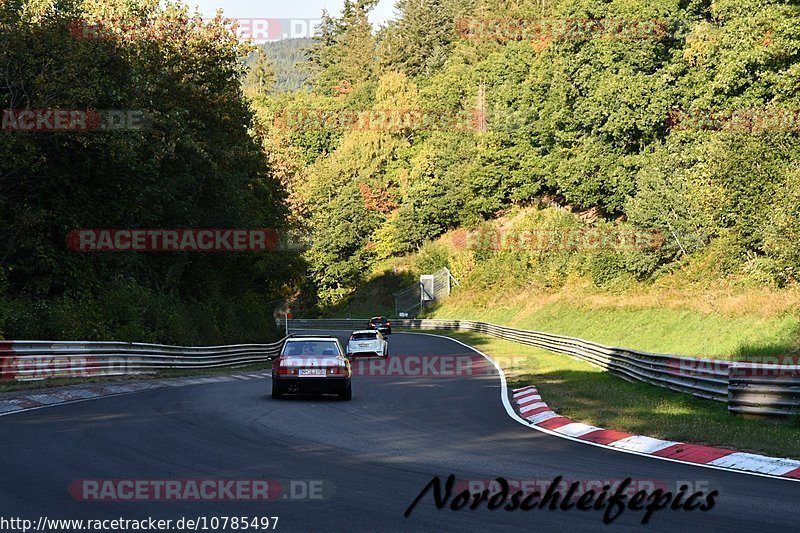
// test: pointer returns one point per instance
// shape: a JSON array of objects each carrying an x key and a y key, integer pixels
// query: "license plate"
[
  {"x": 311, "y": 372},
  {"x": 363, "y": 345}
]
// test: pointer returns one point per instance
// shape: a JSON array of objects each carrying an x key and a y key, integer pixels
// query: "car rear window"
[
  {"x": 379, "y": 321},
  {"x": 310, "y": 348},
  {"x": 364, "y": 336}
]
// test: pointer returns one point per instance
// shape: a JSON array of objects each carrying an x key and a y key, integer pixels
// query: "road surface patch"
[{"x": 19, "y": 402}]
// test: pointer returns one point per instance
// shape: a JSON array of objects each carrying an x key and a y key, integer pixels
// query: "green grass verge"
[
  {"x": 14, "y": 386},
  {"x": 373, "y": 297},
  {"x": 676, "y": 331},
  {"x": 585, "y": 393}
]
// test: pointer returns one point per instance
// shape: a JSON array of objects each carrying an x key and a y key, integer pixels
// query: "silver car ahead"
[{"x": 367, "y": 342}]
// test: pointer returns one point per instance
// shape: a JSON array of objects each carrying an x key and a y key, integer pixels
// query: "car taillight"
[
  {"x": 388, "y": 323},
  {"x": 338, "y": 370},
  {"x": 285, "y": 370}
]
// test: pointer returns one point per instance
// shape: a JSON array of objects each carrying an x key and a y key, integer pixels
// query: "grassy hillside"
[
  {"x": 694, "y": 309},
  {"x": 640, "y": 321}
]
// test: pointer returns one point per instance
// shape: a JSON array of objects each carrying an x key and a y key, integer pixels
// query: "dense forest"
[
  {"x": 278, "y": 66},
  {"x": 676, "y": 116},
  {"x": 289, "y": 60},
  {"x": 194, "y": 164}
]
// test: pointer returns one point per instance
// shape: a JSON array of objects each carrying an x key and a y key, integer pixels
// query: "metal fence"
[
  {"x": 747, "y": 388},
  {"x": 408, "y": 302},
  {"x": 438, "y": 284},
  {"x": 431, "y": 288},
  {"x": 33, "y": 360}
]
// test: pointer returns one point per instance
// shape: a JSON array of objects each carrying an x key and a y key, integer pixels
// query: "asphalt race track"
[{"x": 370, "y": 457}]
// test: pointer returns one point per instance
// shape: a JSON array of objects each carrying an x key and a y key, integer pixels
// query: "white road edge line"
[
  {"x": 95, "y": 398},
  {"x": 513, "y": 414}
]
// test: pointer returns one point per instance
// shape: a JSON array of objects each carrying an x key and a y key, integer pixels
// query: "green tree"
[
  {"x": 420, "y": 41},
  {"x": 346, "y": 48},
  {"x": 261, "y": 77},
  {"x": 195, "y": 164}
]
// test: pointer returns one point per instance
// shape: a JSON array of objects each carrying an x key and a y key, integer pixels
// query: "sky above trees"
[{"x": 282, "y": 9}]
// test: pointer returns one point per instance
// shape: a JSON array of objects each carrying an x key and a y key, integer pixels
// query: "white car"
[{"x": 367, "y": 342}]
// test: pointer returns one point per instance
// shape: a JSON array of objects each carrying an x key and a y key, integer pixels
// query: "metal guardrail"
[
  {"x": 747, "y": 388},
  {"x": 764, "y": 389},
  {"x": 756, "y": 389},
  {"x": 34, "y": 360}
]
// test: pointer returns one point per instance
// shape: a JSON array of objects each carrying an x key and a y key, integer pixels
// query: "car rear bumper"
[
  {"x": 309, "y": 385},
  {"x": 366, "y": 353}
]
